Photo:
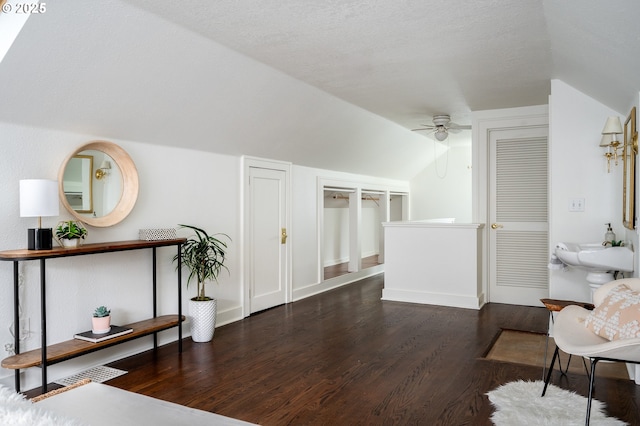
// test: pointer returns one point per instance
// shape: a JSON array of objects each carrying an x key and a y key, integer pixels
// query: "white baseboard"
[
  {"x": 441, "y": 299},
  {"x": 312, "y": 290},
  {"x": 228, "y": 316}
]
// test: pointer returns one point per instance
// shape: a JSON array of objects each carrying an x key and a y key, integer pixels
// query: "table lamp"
[{"x": 39, "y": 197}]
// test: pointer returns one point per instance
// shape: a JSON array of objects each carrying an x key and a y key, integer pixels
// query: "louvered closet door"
[{"x": 518, "y": 227}]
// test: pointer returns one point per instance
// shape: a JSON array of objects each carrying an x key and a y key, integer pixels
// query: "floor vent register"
[{"x": 96, "y": 374}]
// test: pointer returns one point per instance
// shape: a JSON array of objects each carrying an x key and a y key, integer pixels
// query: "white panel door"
[
  {"x": 267, "y": 238},
  {"x": 518, "y": 215}
]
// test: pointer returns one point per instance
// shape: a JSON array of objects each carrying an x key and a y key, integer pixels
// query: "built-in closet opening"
[
  {"x": 398, "y": 206},
  {"x": 372, "y": 217},
  {"x": 351, "y": 223},
  {"x": 336, "y": 231}
]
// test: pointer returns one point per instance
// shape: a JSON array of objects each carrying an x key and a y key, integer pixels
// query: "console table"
[{"x": 58, "y": 352}]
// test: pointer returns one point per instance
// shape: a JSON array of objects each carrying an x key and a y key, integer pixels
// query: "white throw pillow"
[{"x": 618, "y": 316}]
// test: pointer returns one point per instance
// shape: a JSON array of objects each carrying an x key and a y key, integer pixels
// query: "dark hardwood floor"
[{"x": 347, "y": 358}]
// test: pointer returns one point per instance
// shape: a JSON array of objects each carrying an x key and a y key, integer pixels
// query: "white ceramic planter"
[
  {"x": 203, "y": 319},
  {"x": 100, "y": 325},
  {"x": 70, "y": 243}
]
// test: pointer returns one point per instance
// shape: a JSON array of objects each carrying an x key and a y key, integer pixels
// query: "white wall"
[
  {"x": 577, "y": 169},
  {"x": 443, "y": 188},
  {"x": 176, "y": 186}
]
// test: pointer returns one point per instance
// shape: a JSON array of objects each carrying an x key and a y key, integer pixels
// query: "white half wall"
[{"x": 434, "y": 263}]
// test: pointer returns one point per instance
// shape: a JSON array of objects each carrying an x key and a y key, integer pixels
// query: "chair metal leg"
[
  {"x": 594, "y": 361},
  {"x": 546, "y": 349},
  {"x": 548, "y": 379},
  {"x": 586, "y": 368},
  {"x": 566, "y": 370},
  {"x": 544, "y": 364},
  {"x": 546, "y": 346}
]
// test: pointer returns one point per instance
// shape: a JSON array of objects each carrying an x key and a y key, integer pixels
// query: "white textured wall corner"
[{"x": 576, "y": 121}]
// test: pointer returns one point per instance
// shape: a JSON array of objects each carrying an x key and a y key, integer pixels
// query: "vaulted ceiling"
[
  {"x": 408, "y": 60},
  {"x": 212, "y": 75}
]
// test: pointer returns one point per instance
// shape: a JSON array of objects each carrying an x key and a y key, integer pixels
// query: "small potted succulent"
[
  {"x": 101, "y": 321},
  {"x": 70, "y": 233}
]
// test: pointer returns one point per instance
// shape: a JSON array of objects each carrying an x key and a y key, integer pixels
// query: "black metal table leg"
[
  {"x": 180, "y": 298},
  {"x": 16, "y": 319},
  {"x": 43, "y": 323},
  {"x": 155, "y": 296}
]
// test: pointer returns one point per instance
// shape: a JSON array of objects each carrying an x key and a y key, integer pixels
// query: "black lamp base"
[{"x": 39, "y": 239}]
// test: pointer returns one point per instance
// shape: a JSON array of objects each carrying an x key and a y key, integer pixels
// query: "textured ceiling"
[
  {"x": 407, "y": 60},
  {"x": 217, "y": 75}
]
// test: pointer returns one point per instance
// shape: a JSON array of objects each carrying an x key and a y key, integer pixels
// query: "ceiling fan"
[{"x": 441, "y": 127}]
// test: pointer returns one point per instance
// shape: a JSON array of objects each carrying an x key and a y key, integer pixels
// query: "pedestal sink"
[{"x": 599, "y": 261}]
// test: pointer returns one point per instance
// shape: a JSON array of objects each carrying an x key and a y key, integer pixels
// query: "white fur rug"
[
  {"x": 15, "y": 410},
  {"x": 520, "y": 403}
]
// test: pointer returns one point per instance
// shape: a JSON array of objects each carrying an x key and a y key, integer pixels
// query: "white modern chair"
[{"x": 572, "y": 337}]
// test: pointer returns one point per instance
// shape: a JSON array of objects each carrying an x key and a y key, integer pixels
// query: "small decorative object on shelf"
[
  {"x": 70, "y": 233},
  {"x": 157, "y": 234},
  {"x": 114, "y": 331},
  {"x": 101, "y": 321}
]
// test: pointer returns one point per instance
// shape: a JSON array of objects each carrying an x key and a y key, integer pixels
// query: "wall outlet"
[{"x": 576, "y": 205}]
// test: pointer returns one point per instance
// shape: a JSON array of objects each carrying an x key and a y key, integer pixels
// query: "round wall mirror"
[{"x": 98, "y": 184}]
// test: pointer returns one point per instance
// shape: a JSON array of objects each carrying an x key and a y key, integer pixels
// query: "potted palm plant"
[
  {"x": 204, "y": 256},
  {"x": 70, "y": 233}
]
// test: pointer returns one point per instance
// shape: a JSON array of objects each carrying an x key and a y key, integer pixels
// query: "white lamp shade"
[
  {"x": 606, "y": 140},
  {"x": 612, "y": 127},
  {"x": 39, "y": 197}
]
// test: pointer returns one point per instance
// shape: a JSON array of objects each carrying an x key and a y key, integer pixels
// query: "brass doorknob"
[{"x": 496, "y": 226}]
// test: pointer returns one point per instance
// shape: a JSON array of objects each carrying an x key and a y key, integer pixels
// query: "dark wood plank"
[
  {"x": 346, "y": 357},
  {"x": 75, "y": 347},
  {"x": 24, "y": 254}
]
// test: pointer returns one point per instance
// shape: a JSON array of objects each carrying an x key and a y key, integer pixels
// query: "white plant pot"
[
  {"x": 203, "y": 319},
  {"x": 70, "y": 243},
  {"x": 101, "y": 325}
]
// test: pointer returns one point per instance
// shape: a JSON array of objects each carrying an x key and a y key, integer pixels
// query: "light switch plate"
[{"x": 576, "y": 205}]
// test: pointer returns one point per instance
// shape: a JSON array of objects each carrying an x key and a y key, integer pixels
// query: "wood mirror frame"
[
  {"x": 130, "y": 185},
  {"x": 629, "y": 152}
]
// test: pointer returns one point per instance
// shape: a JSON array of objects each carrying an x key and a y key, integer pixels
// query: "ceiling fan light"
[{"x": 441, "y": 134}]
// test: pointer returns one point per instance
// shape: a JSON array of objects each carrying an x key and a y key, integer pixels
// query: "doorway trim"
[
  {"x": 483, "y": 123},
  {"x": 247, "y": 163}
]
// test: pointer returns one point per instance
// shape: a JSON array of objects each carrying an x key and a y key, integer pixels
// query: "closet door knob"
[{"x": 496, "y": 226}]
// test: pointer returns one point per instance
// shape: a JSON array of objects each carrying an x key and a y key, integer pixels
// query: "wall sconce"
[
  {"x": 103, "y": 171},
  {"x": 612, "y": 128},
  {"x": 39, "y": 197}
]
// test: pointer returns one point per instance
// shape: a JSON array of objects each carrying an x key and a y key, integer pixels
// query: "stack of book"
[{"x": 115, "y": 331}]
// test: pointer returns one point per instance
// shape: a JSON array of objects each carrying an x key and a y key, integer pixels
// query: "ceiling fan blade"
[
  {"x": 459, "y": 126},
  {"x": 423, "y": 129}
]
